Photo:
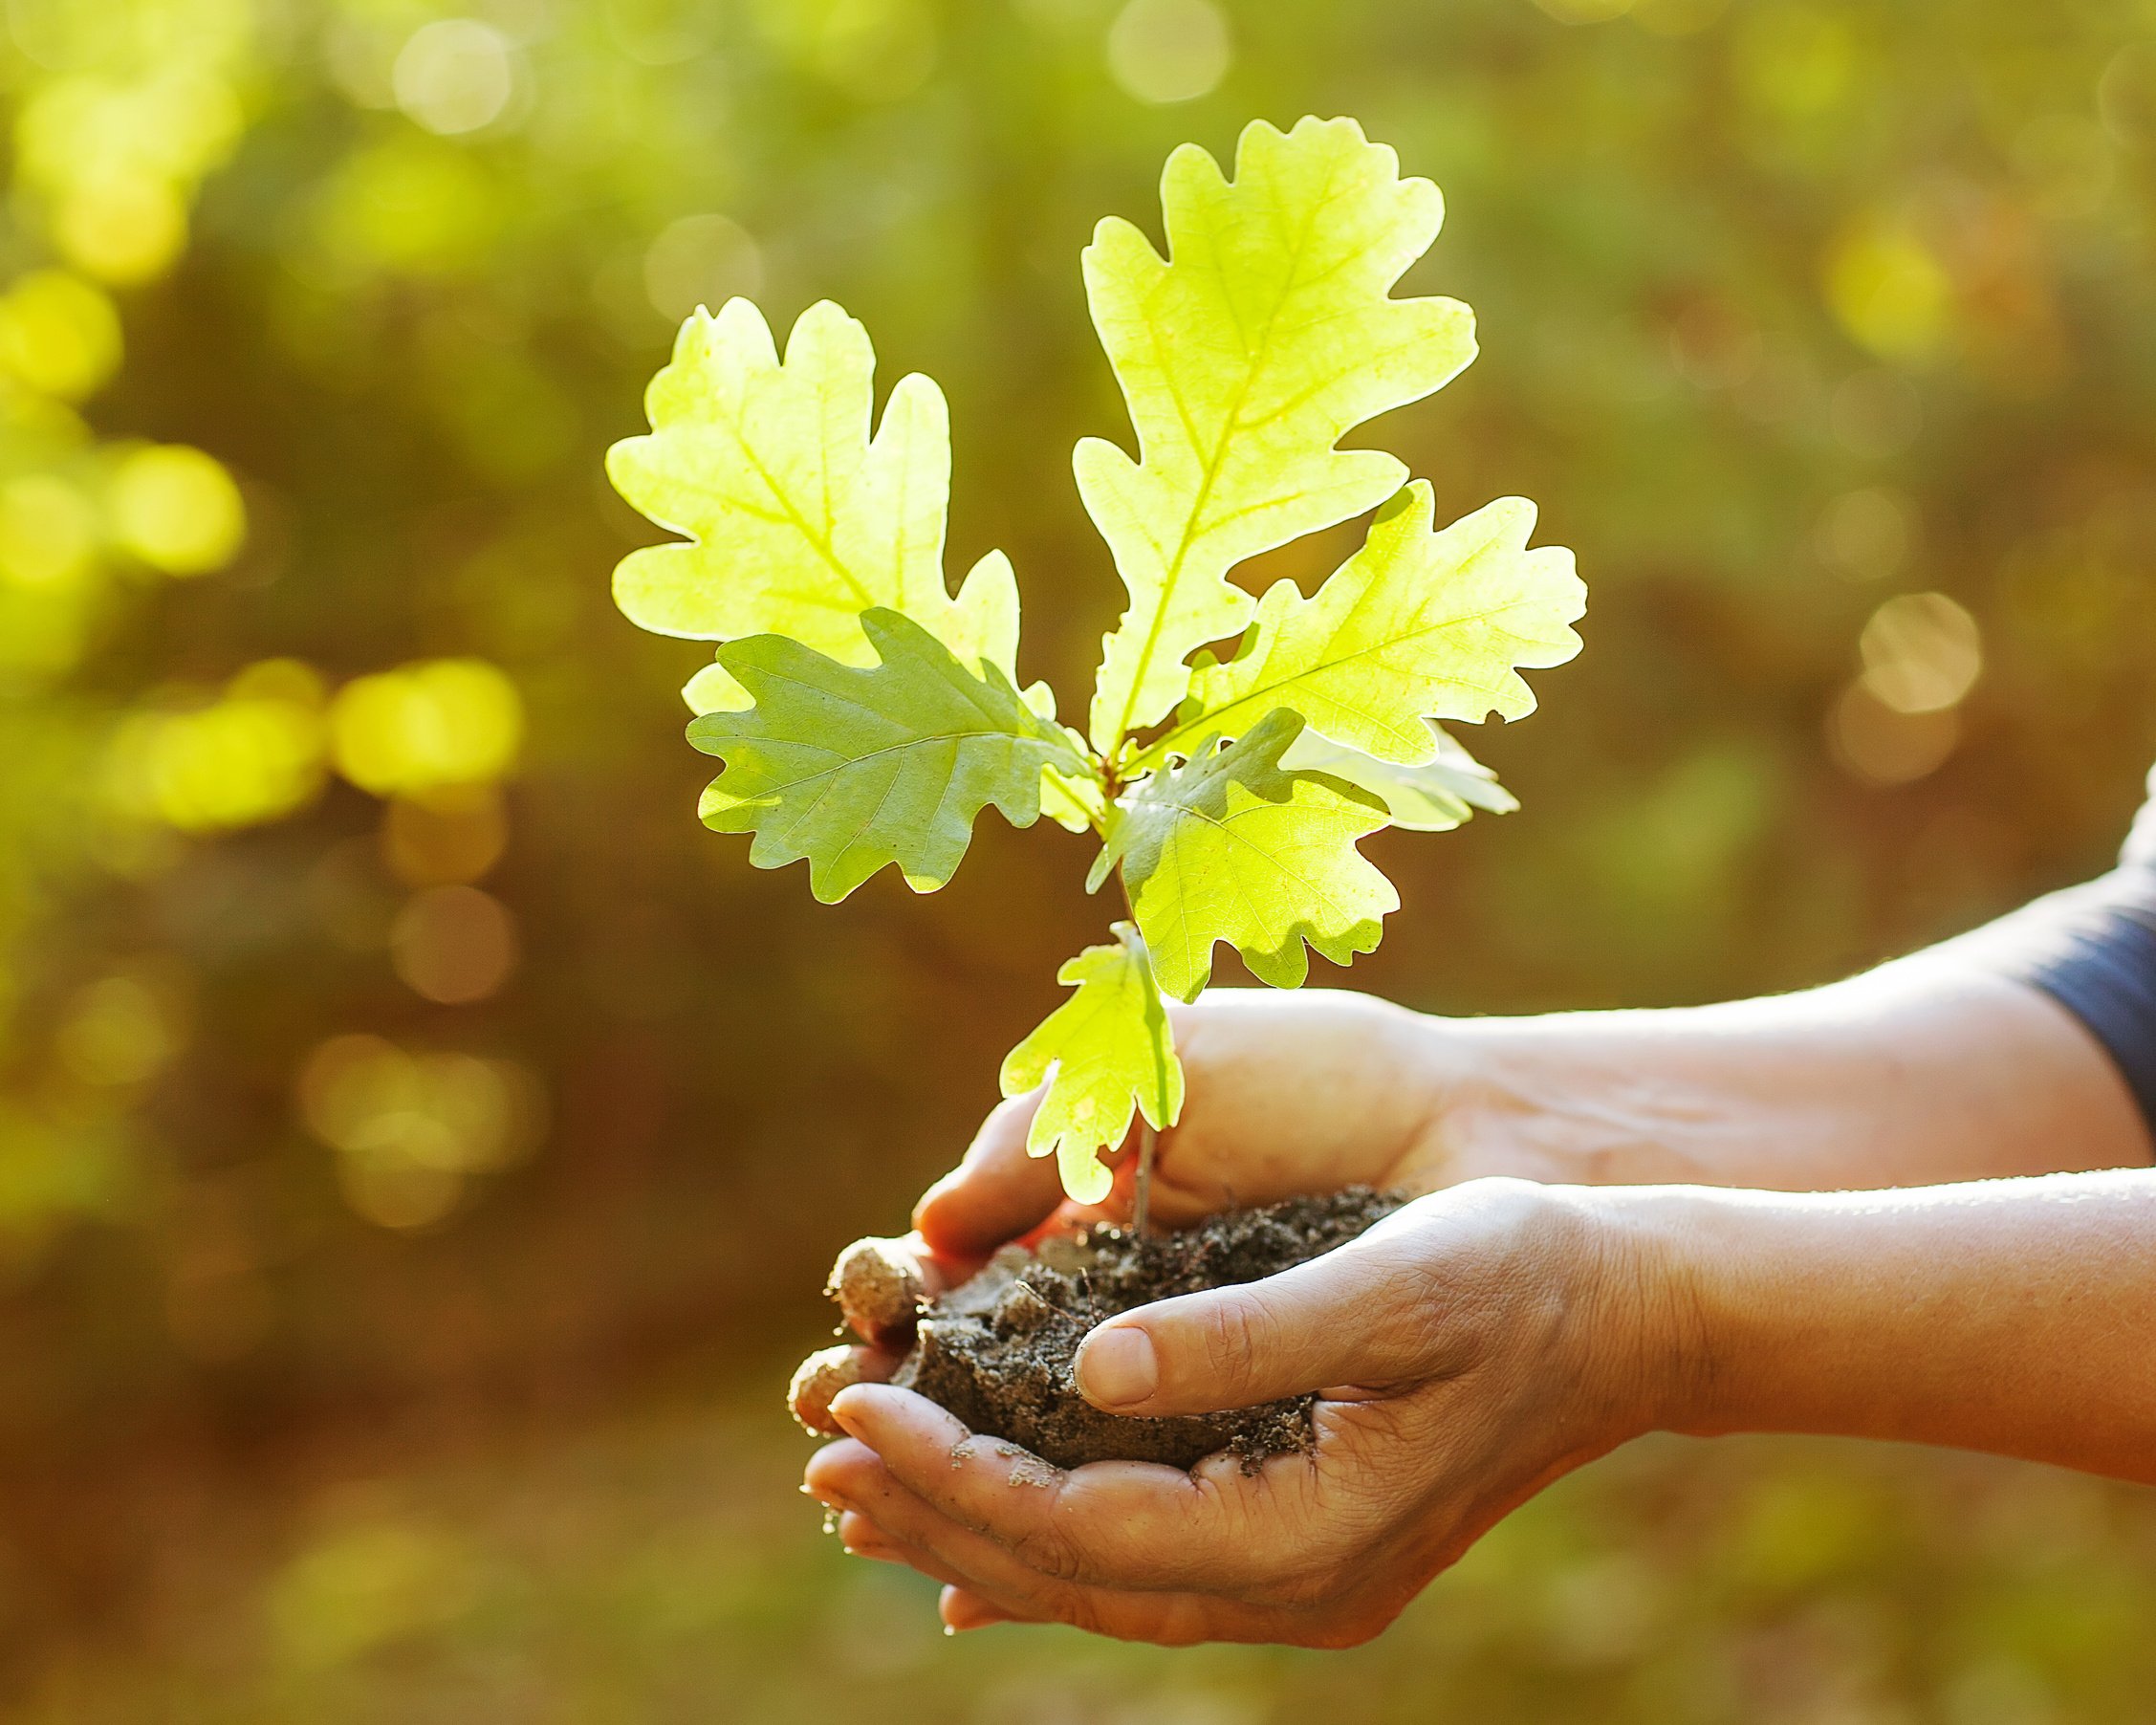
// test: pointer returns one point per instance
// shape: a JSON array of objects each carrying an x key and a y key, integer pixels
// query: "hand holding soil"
[{"x": 1454, "y": 1373}]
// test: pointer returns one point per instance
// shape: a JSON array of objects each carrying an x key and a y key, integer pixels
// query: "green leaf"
[
  {"x": 1236, "y": 846},
  {"x": 1105, "y": 1054},
  {"x": 854, "y": 767},
  {"x": 1433, "y": 797},
  {"x": 1418, "y": 624},
  {"x": 1268, "y": 334},
  {"x": 797, "y": 521}
]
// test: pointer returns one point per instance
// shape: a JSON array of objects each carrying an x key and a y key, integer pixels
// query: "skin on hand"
[{"x": 1486, "y": 1359}]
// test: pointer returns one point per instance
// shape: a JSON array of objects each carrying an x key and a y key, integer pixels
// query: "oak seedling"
[{"x": 864, "y": 716}]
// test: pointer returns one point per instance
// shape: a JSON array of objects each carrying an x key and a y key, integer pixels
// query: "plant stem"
[
  {"x": 1141, "y": 1203},
  {"x": 1142, "y": 1198}
]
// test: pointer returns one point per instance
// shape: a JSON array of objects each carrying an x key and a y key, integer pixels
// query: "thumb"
[{"x": 1354, "y": 1316}]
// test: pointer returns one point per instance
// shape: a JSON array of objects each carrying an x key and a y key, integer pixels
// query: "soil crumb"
[{"x": 997, "y": 1351}]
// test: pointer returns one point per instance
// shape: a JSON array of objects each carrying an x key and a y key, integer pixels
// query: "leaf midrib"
[{"x": 1216, "y": 459}]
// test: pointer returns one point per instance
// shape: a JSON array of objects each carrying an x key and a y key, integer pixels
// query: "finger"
[
  {"x": 824, "y": 1373},
  {"x": 1355, "y": 1315},
  {"x": 1124, "y": 1524},
  {"x": 996, "y": 1194},
  {"x": 880, "y": 1284},
  {"x": 850, "y": 1476},
  {"x": 856, "y": 1475},
  {"x": 961, "y": 1609},
  {"x": 864, "y": 1539}
]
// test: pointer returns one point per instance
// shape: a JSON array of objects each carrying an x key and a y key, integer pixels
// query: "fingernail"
[
  {"x": 1116, "y": 1368},
  {"x": 847, "y": 1415}
]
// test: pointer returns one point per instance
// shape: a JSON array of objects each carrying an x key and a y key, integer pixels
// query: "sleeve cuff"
[{"x": 2093, "y": 949}]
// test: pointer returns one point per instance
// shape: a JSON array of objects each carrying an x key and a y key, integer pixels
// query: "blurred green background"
[{"x": 421, "y": 1143}]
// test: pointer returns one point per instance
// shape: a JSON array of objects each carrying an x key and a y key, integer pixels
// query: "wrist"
[
  {"x": 1568, "y": 1101},
  {"x": 1647, "y": 1333}
]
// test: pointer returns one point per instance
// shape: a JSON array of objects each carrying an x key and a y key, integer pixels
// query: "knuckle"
[{"x": 1233, "y": 1337}]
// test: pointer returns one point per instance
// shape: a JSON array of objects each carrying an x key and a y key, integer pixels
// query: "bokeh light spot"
[
  {"x": 1169, "y": 51},
  {"x": 411, "y": 203},
  {"x": 1794, "y": 60},
  {"x": 446, "y": 722},
  {"x": 1877, "y": 745},
  {"x": 701, "y": 260},
  {"x": 114, "y": 159},
  {"x": 1888, "y": 290},
  {"x": 59, "y": 335},
  {"x": 48, "y": 531},
  {"x": 453, "y": 945},
  {"x": 455, "y": 76},
  {"x": 367, "y": 1587},
  {"x": 124, "y": 231},
  {"x": 254, "y": 756},
  {"x": 2125, "y": 95},
  {"x": 1921, "y": 653},
  {"x": 177, "y": 509}
]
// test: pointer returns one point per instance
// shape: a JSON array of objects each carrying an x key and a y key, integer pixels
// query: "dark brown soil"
[{"x": 997, "y": 1351}]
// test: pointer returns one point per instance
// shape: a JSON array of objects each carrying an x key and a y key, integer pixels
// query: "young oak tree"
[{"x": 864, "y": 716}]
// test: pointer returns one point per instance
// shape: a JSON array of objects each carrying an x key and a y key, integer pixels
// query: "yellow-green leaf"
[
  {"x": 1236, "y": 846},
  {"x": 1418, "y": 624},
  {"x": 1104, "y": 1055},
  {"x": 795, "y": 519},
  {"x": 1268, "y": 332}
]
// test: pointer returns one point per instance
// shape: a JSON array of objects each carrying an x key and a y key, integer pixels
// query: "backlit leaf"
[
  {"x": 795, "y": 519},
  {"x": 1268, "y": 332},
  {"x": 1418, "y": 624},
  {"x": 1236, "y": 846},
  {"x": 1106, "y": 1054}
]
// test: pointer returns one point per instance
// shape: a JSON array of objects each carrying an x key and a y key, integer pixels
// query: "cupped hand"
[
  {"x": 1286, "y": 1093},
  {"x": 1465, "y": 1351}
]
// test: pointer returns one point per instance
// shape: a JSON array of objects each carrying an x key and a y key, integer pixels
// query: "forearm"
[
  {"x": 1918, "y": 1073},
  {"x": 2016, "y": 1317}
]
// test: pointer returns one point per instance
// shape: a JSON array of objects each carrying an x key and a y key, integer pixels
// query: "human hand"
[
  {"x": 1286, "y": 1094},
  {"x": 1466, "y": 1350}
]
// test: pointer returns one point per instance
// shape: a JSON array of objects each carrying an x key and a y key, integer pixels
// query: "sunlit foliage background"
[{"x": 420, "y": 1143}]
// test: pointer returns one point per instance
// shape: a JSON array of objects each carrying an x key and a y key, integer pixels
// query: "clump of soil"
[{"x": 997, "y": 1351}]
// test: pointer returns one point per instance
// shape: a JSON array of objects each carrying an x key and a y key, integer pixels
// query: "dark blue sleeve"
[{"x": 2093, "y": 948}]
